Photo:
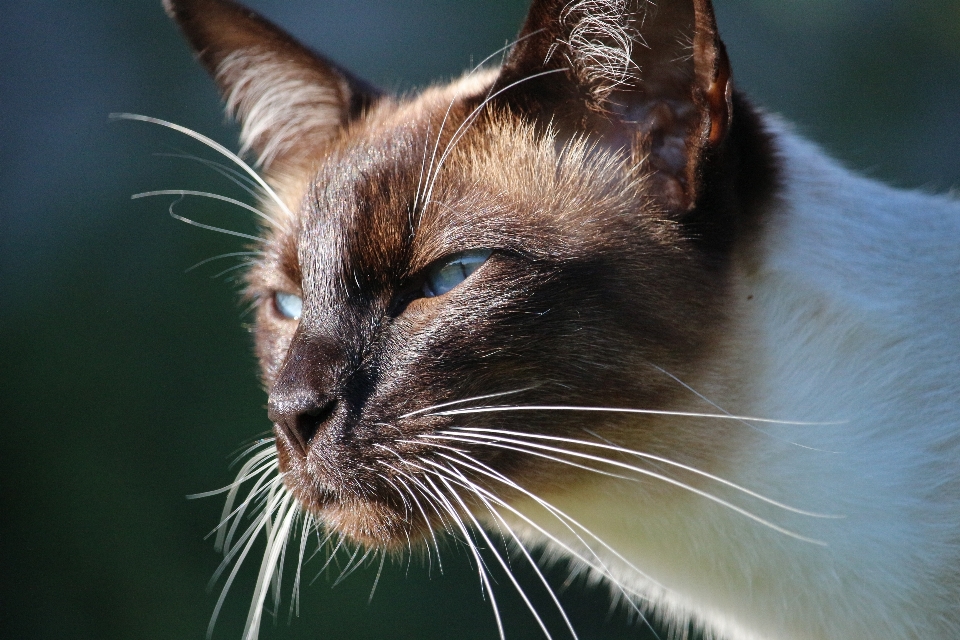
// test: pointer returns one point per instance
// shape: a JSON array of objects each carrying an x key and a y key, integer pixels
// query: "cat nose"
[
  {"x": 299, "y": 414},
  {"x": 303, "y": 400}
]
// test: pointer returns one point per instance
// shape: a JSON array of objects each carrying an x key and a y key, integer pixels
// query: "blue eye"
[
  {"x": 289, "y": 305},
  {"x": 446, "y": 275}
]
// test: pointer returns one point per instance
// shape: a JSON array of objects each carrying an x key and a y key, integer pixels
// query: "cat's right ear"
[
  {"x": 287, "y": 98},
  {"x": 649, "y": 78}
]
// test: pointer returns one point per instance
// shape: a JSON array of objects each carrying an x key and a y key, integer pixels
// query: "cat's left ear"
[
  {"x": 651, "y": 79},
  {"x": 288, "y": 99}
]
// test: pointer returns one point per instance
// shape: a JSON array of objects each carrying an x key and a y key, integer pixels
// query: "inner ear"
[
  {"x": 651, "y": 80},
  {"x": 288, "y": 99}
]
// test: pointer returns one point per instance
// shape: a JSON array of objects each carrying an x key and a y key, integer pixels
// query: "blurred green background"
[{"x": 127, "y": 381}]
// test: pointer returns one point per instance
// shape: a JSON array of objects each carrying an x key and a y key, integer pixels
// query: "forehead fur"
[{"x": 445, "y": 171}]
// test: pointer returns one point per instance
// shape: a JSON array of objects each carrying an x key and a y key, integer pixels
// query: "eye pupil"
[
  {"x": 290, "y": 306},
  {"x": 446, "y": 275}
]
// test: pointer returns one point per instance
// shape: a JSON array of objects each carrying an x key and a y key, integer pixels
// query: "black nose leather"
[
  {"x": 300, "y": 414},
  {"x": 303, "y": 399}
]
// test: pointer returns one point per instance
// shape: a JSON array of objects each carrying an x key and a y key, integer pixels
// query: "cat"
[{"x": 595, "y": 300}]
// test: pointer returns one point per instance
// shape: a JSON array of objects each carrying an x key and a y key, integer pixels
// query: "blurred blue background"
[{"x": 127, "y": 381}]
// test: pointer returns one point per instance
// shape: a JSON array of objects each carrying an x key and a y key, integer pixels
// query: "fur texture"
[{"x": 703, "y": 362}]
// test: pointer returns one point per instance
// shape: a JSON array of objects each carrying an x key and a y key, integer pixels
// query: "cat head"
[{"x": 446, "y": 269}]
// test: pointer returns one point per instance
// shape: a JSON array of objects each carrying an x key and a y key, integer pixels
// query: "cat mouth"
[{"x": 370, "y": 493}]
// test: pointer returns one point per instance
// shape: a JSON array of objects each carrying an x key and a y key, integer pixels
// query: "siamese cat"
[{"x": 592, "y": 300}]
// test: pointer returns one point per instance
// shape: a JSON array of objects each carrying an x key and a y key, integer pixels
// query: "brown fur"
[{"x": 614, "y": 213}]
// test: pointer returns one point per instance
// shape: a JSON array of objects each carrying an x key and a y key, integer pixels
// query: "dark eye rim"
[
  {"x": 413, "y": 288},
  {"x": 441, "y": 263}
]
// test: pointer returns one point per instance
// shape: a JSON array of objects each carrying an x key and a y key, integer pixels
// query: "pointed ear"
[
  {"x": 650, "y": 79},
  {"x": 287, "y": 98}
]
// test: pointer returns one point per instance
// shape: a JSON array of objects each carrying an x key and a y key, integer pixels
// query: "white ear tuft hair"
[{"x": 599, "y": 44}]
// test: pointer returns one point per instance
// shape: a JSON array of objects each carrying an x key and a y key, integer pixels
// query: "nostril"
[
  {"x": 299, "y": 418},
  {"x": 310, "y": 421}
]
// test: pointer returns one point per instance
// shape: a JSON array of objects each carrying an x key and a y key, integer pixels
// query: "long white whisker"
[
  {"x": 250, "y": 536},
  {"x": 208, "y": 227},
  {"x": 376, "y": 581},
  {"x": 231, "y": 174},
  {"x": 202, "y": 194},
  {"x": 262, "y": 485},
  {"x": 473, "y": 399},
  {"x": 223, "y": 256},
  {"x": 216, "y": 146},
  {"x": 244, "y": 475},
  {"x": 648, "y": 456},
  {"x": 564, "y": 519},
  {"x": 243, "y": 264},
  {"x": 330, "y": 558},
  {"x": 479, "y": 492},
  {"x": 481, "y": 566},
  {"x": 305, "y": 529},
  {"x": 352, "y": 565},
  {"x": 231, "y": 521},
  {"x": 404, "y": 495},
  {"x": 229, "y": 550},
  {"x": 651, "y": 412},
  {"x": 496, "y": 554},
  {"x": 431, "y": 500},
  {"x": 725, "y": 412},
  {"x": 601, "y": 472},
  {"x": 537, "y": 448},
  {"x": 286, "y": 512},
  {"x": 599, "y": 567}
]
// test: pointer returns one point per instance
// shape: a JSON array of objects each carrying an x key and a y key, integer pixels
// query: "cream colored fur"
[{"x": 848, "y": 318}]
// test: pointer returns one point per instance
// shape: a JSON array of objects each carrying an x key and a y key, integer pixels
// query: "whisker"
[
  {"x": 432, "y": 504},
  {"x": 496, "y": 554},
  {"x": 655, "y": 458},
  {"x": 628, "y": 595},
  {"x": 243, "y": 264},
  {"x": 567, "y": 462},
  {"x": 231, "y": 174},
  {"x": 230, "y": 551},
  {"x": 725, "y": 412},
  {"x": 250, "y": 536},
  {"x": 471, "y": 545},
  {"x": 653, "y": 412},
  {"x": 473, "y": 399},
  {"x": 352, "y": 566},
  {"x": 376, "y": 581},
  {"x": 497, "y": 442},
  {"x": 230, "y": 522},
  {"x": 564, "y": 519},
  {"x": 263, "y": 485},
  {"x": 286, "y": 512},
  {"x": 244, "y": 475},
  {"x": 478, "y": 491},
  {"x": 203, "y": 194},
  {"x": 216, "y": 146},
  {"x": 223, "y": 256},
  {"x": 208, "y": 227},
  {"x": 245, "y": 450},
  {"x": 305, "y": 528},
  {"x": 330, "y": 558}
]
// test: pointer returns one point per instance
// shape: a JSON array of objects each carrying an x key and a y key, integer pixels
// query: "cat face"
[{"x": 555, "y": 233}]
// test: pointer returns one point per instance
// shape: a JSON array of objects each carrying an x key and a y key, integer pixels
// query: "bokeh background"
[{"x": 127, "y": 381}]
